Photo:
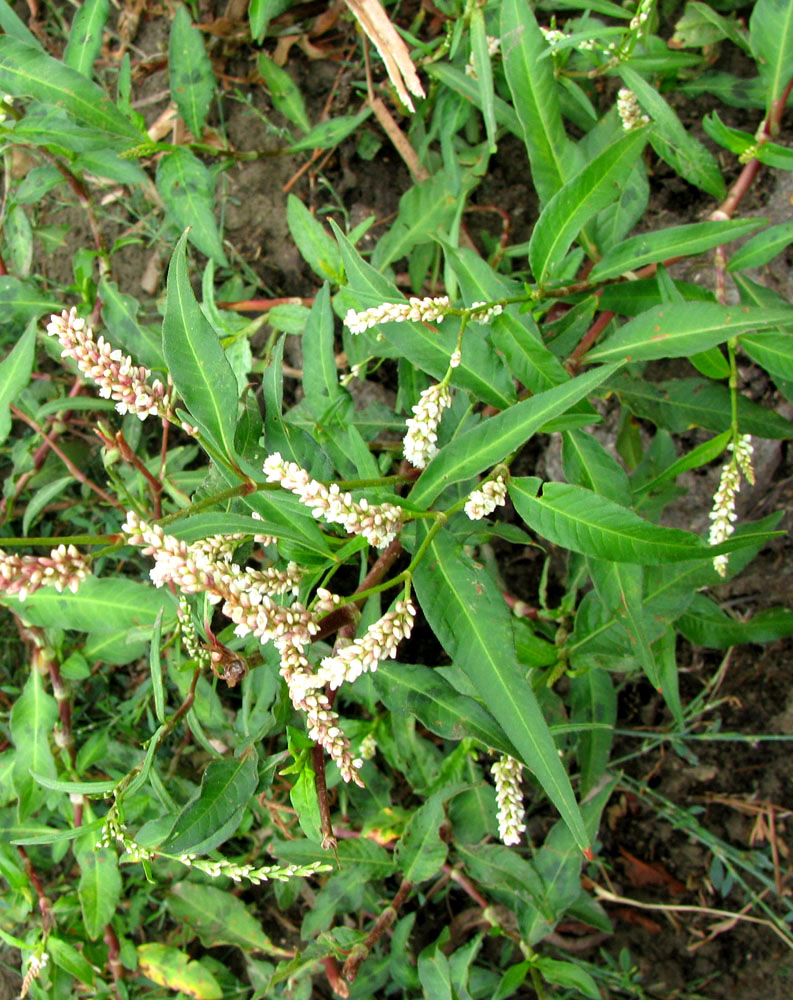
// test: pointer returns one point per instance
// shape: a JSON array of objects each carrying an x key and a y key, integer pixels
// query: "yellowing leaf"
[{"x": 171, "y": 967}]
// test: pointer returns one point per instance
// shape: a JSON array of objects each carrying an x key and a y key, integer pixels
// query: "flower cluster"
[
  {"x": 723, "y": 516},
  {"x": 415, "y": 310},
  {"x": 420, "y": 444},
  {"x": 379, "y": 524},
  {"x": 116, "y": 376},
  {"x": 64, "y": 568},
  {"x": 507, "y": 773},
  {"x": 306, "y": 694},
  {"x": 115, "y": 831},
  {"x": 379, "y": 642},
  {"x": 483, "y": 501},
  {"x": 247, "y": 594},
  {"x": 629, "y": 111},
  {"x": 36, "y": 964},
  {"x": 483, "y": 312}
]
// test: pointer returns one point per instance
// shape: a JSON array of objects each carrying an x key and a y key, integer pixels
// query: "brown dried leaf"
[{"x": 393, "y": 51}]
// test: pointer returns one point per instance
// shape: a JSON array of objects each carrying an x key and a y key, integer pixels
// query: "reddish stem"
[{"x": 78, "y": 475}]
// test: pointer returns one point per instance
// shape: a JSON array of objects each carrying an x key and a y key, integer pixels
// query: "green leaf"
[
  {"x": 219, "y": 918},
  {"x": 682, "y": 403},
  {"x": 762, "y": 248},
  {"x": 284, "y": 93},
  {"x": 772, "y": 351},
  {"x": 703, "y": 454},
  {"x": 261, "y": 12},
  {"x": 629, "y": 580},
  {"x": 705, "y": 624},
  {"x": 569, "y": 976},
  {"x": 191, "y": 79},
  {"x": 85, "y": 38},
  {"x": 70, "y": 960},
  {"x": 187, "y": 190},
  {"x": 676, "y": 241},
  {"x": 15, "y": 28},
  {"x": 483, "y": 73},
  {"x": 434, "y": 974},
  {"x": 122, "y": 329},
  {"x": 155, "y": 670},
  {"x": 587, "y": 463},
  {"x": 515, "y": 882},
  {"x": 678, "y": 329},
  {"x": 512, "y": 333},
  {"x": 372, "y": 860},
  {"x": 426, "y": 209},
  {"x": 315, "y": 245},
  {"x": 100, "y": 788},
  {"x": 578, "y": 519},
  {"x": 468, "y": 88},
  {"x": 581, "y": 198},
  {"x": 320, "y": 376},
  {"x": 413, "y": 689},
  {"x": 215, "y": 813},
  {"x": 198, "y": 366},
  {"x": 170, "y": 967},
  {"x": 468, "y": 615},
  {"x": 421, "y": 851},
  {"x": 100, "y": 605},
  {"x": 672, "y": 142},
  {"x": 495, "y": 438},
  {"x": 15, "y": 371},
  {"x": 33, "y": 716},
  {"x": 593, "y": 700},
  {"x": 27, "y": 71},
  {"x": 99, "y": 889},
  {"x": 771, "y": 39},
  {"x": 535, "y": 98},
  {"x": 330, "y": 133}
]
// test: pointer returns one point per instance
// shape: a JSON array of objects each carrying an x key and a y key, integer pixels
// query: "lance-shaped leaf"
[
  {"x": 85, "y": 38},
  {"x": 676, "y": 241},
  {"x": 678, "y": 404},
  {"x": 772, "y": 351},
  {"x": 170, "y": 967},
  {"x": 578, "y": 519},
  {"x": 536, "y": 99},
  {"x": 215, "y": 813},
  {"x": 15, "y": 371},
  {"x": 679, "y": 329},
  {"x": 34, "y": 714},
  {"x": 99, "y": 889},
  {"x": 493, "y": 440},
  {"x": 192, "y": 81},
  {"x": 671, "y": 141},
  {"x": 593, "y": 700},
  {"x": 705, "y": 624},
  {"x": 100, "y": 605},
  {"x": 421, "y": 851},
  {"x": 581, "y": 198},
  {"x": 762, "y": 248},
  {"x": 187, "y": 189},
  {"x": 26, "y": 71},
  {"x": 410, "y": 688},
  {"x": 468, "y": 615},
  {"x": 198, "y": 366},
  {"x": 771, "y": 39},
  {"x": 219, "y": 918}
]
